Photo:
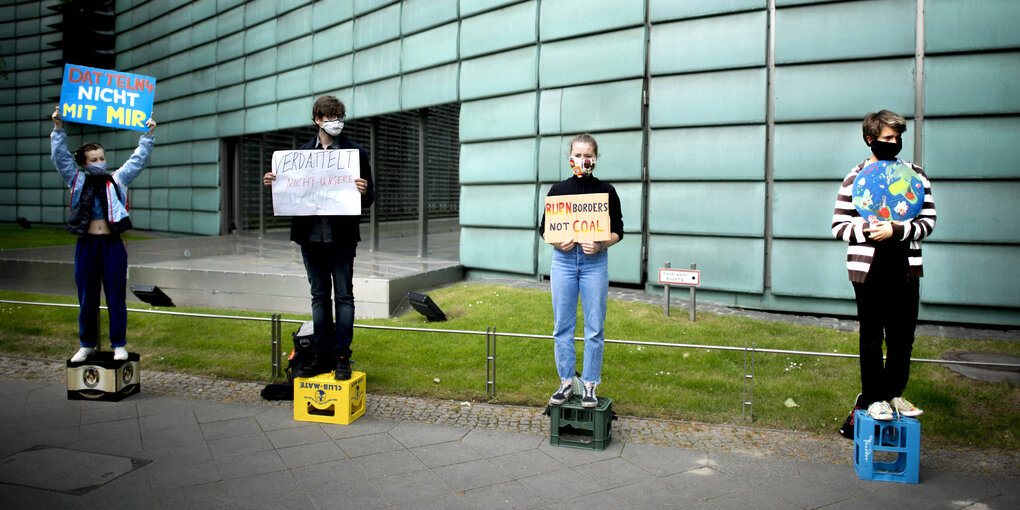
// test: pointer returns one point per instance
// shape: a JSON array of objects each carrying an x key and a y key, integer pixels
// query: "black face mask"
[{"x": 886, "y": 151}]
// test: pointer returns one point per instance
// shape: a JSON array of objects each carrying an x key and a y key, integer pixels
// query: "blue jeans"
[
  {"x": 330, "y": 267},
  {"x": 574, "y": 273},
  {"x": 101, "y": 262}
]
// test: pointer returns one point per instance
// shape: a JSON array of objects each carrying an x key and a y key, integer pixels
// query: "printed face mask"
[
  {"x": 96, "y": 169},
  {"x": 886, "y": 151},
  {"x": 582, "y": 167},
  {"x": 332, "y": 127}
]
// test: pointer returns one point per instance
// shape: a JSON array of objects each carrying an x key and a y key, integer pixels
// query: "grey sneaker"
[
  {"x": 563, "y": 393},
  {"x": 589, "y": 399}
]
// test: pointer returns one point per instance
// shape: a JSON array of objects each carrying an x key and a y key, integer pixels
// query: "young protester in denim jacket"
[{"x": 98, "y": 214}]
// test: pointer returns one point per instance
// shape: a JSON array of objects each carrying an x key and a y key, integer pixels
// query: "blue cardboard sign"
[{"x": 106, "y": 98}]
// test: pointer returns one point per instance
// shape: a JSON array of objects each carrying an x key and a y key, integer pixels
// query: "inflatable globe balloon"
[{"x": 888, "y": 191}]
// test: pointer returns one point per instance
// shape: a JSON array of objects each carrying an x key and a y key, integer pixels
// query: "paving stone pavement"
[{"x": 189, "y": 441}]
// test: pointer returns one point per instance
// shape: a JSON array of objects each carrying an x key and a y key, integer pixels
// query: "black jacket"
[{"x": 345, "y": 229}]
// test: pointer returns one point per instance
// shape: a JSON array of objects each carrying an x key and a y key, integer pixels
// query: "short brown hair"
[
  {"x": 584, "y": 138},
  {"x": 875, "y": 121},
  {"x": 79, "y": 153},
  {"x": 327, "y": 107}
]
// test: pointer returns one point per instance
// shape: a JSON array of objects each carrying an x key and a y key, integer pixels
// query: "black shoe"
[
  {"x": 563, "y": 393},
  {"x": 847, "y": 430},
  {"x": 589, "y": 399},
  {"x": 321, "y": 364},
  {"x": 343, "y": 369}
]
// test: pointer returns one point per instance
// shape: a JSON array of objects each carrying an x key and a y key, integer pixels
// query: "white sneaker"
[
  {"x": 120, "y": 353},
  {"x": 905, "y": 408},
  {"x": 880, "y": 411},
  {"x": 82, "y": 354}
]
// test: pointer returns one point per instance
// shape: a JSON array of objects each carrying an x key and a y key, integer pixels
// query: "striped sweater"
[{"x": 848, "y": 225}]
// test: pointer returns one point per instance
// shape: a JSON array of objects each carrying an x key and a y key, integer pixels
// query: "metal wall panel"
[
  {"x": 698, "y": 153},
  {"x": 666, "y": 10},
  {"x": 417, "y": 15},
  {"x": 501, "y": 117},
  {"x": 432, "y": 47},
  {"x": 845, "y": 90},
  {"x": 972, "y": 84},
  {"x": 498, "y": 205},
  {"x": 499, "y": 249},
  {"x": 429, "y": 87},
  {"x": 715, "y": 98},
  {"x": 503, "y": 161},
  {"x": 621, "y": 55},
  {"x": 834, "y": 32},
  {"x": 732, "y": 264},
  {"x": 559, "y": 19},
  {"x": 517, "y": 27},
  {"x": 707, "y": 208},
  {"x": 499, "y": 73},
  {"x": 965, "y": 25},
  {"x": 704, "y": 44},
  {"x": 972, "y": 147}
]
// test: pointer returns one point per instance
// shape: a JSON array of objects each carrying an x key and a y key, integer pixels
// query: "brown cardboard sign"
[{"x": 577, "y": 217}]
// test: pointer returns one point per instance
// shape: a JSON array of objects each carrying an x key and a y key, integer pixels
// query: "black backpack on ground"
[{"x": 299, "y": 358}]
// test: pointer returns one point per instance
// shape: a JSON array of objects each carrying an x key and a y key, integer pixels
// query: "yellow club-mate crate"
[{"x": 323, "y": 399}]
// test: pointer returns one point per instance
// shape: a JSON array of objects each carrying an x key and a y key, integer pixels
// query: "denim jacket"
[{"x": 116, "y": 199}]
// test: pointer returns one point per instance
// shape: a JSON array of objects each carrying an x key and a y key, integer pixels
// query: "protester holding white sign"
[
  {"x": 316, "y": 183},
  {"x": 325, "y": 170},
  {"x": 582, "y": 219}
]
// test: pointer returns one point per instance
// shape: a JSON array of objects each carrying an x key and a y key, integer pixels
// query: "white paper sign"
[
  {"x": 316, "y": 183},
  {"x": 688, "y": 277}
]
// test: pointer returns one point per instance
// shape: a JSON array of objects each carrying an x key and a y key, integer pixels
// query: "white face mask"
[
  {"x": 581, "y": 166},
  {"x": 332, "y": 127}
]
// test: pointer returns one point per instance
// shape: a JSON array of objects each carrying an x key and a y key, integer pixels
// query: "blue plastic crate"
[{"x": 901, "y": 437}]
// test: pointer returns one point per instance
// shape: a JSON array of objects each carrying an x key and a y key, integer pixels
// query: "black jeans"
[
  {"x": 330, "y": 267},
  {"x": 887, "y": 310}
]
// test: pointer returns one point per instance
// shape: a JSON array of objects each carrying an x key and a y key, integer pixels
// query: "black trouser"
[{"x": 886, "y": 309}]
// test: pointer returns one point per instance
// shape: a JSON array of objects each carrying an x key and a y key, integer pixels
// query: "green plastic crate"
[{"x": 575, "y": 426}]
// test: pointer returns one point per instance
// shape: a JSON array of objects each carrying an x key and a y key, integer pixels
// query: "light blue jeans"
[{"x": 574, "y": 273}]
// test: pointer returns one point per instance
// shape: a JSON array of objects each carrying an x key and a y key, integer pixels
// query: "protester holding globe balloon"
[{"x": 883, "y": 210}]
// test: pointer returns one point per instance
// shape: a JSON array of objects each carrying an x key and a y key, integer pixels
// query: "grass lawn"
[
  {"x": 13, "y": 236},
  {"x": 689, "y": 384}
]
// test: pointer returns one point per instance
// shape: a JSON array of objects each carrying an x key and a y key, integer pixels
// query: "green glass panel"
[
  {"x": 498, "y": 205},
  {"x": 821, "y": 91},
  {"x": 707, "y": 208},
  {"x": 621, "y": 55},
  {"x": 514, "y": 158},
  {"x": 516, "y": 27},
  {"x": 559, "y": 18},
  {"x": 725, "y": 97},
  {"x": 710, "y": 153},
  {"x": 500, "y": 73},
  {"x": 726, "y": 263},
  {"x": 703, "y": 44}
]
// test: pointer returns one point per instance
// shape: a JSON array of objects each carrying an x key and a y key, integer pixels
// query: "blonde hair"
[
  {"x": 875, "y": 121},
  {"x": 584, "y": 138}
]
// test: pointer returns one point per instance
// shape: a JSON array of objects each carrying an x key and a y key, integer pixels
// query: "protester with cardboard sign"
[
  {"x": 99, "y": 213},
  {"x": 328, "y": 245},
  {"x": 581, "y": 220}
]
